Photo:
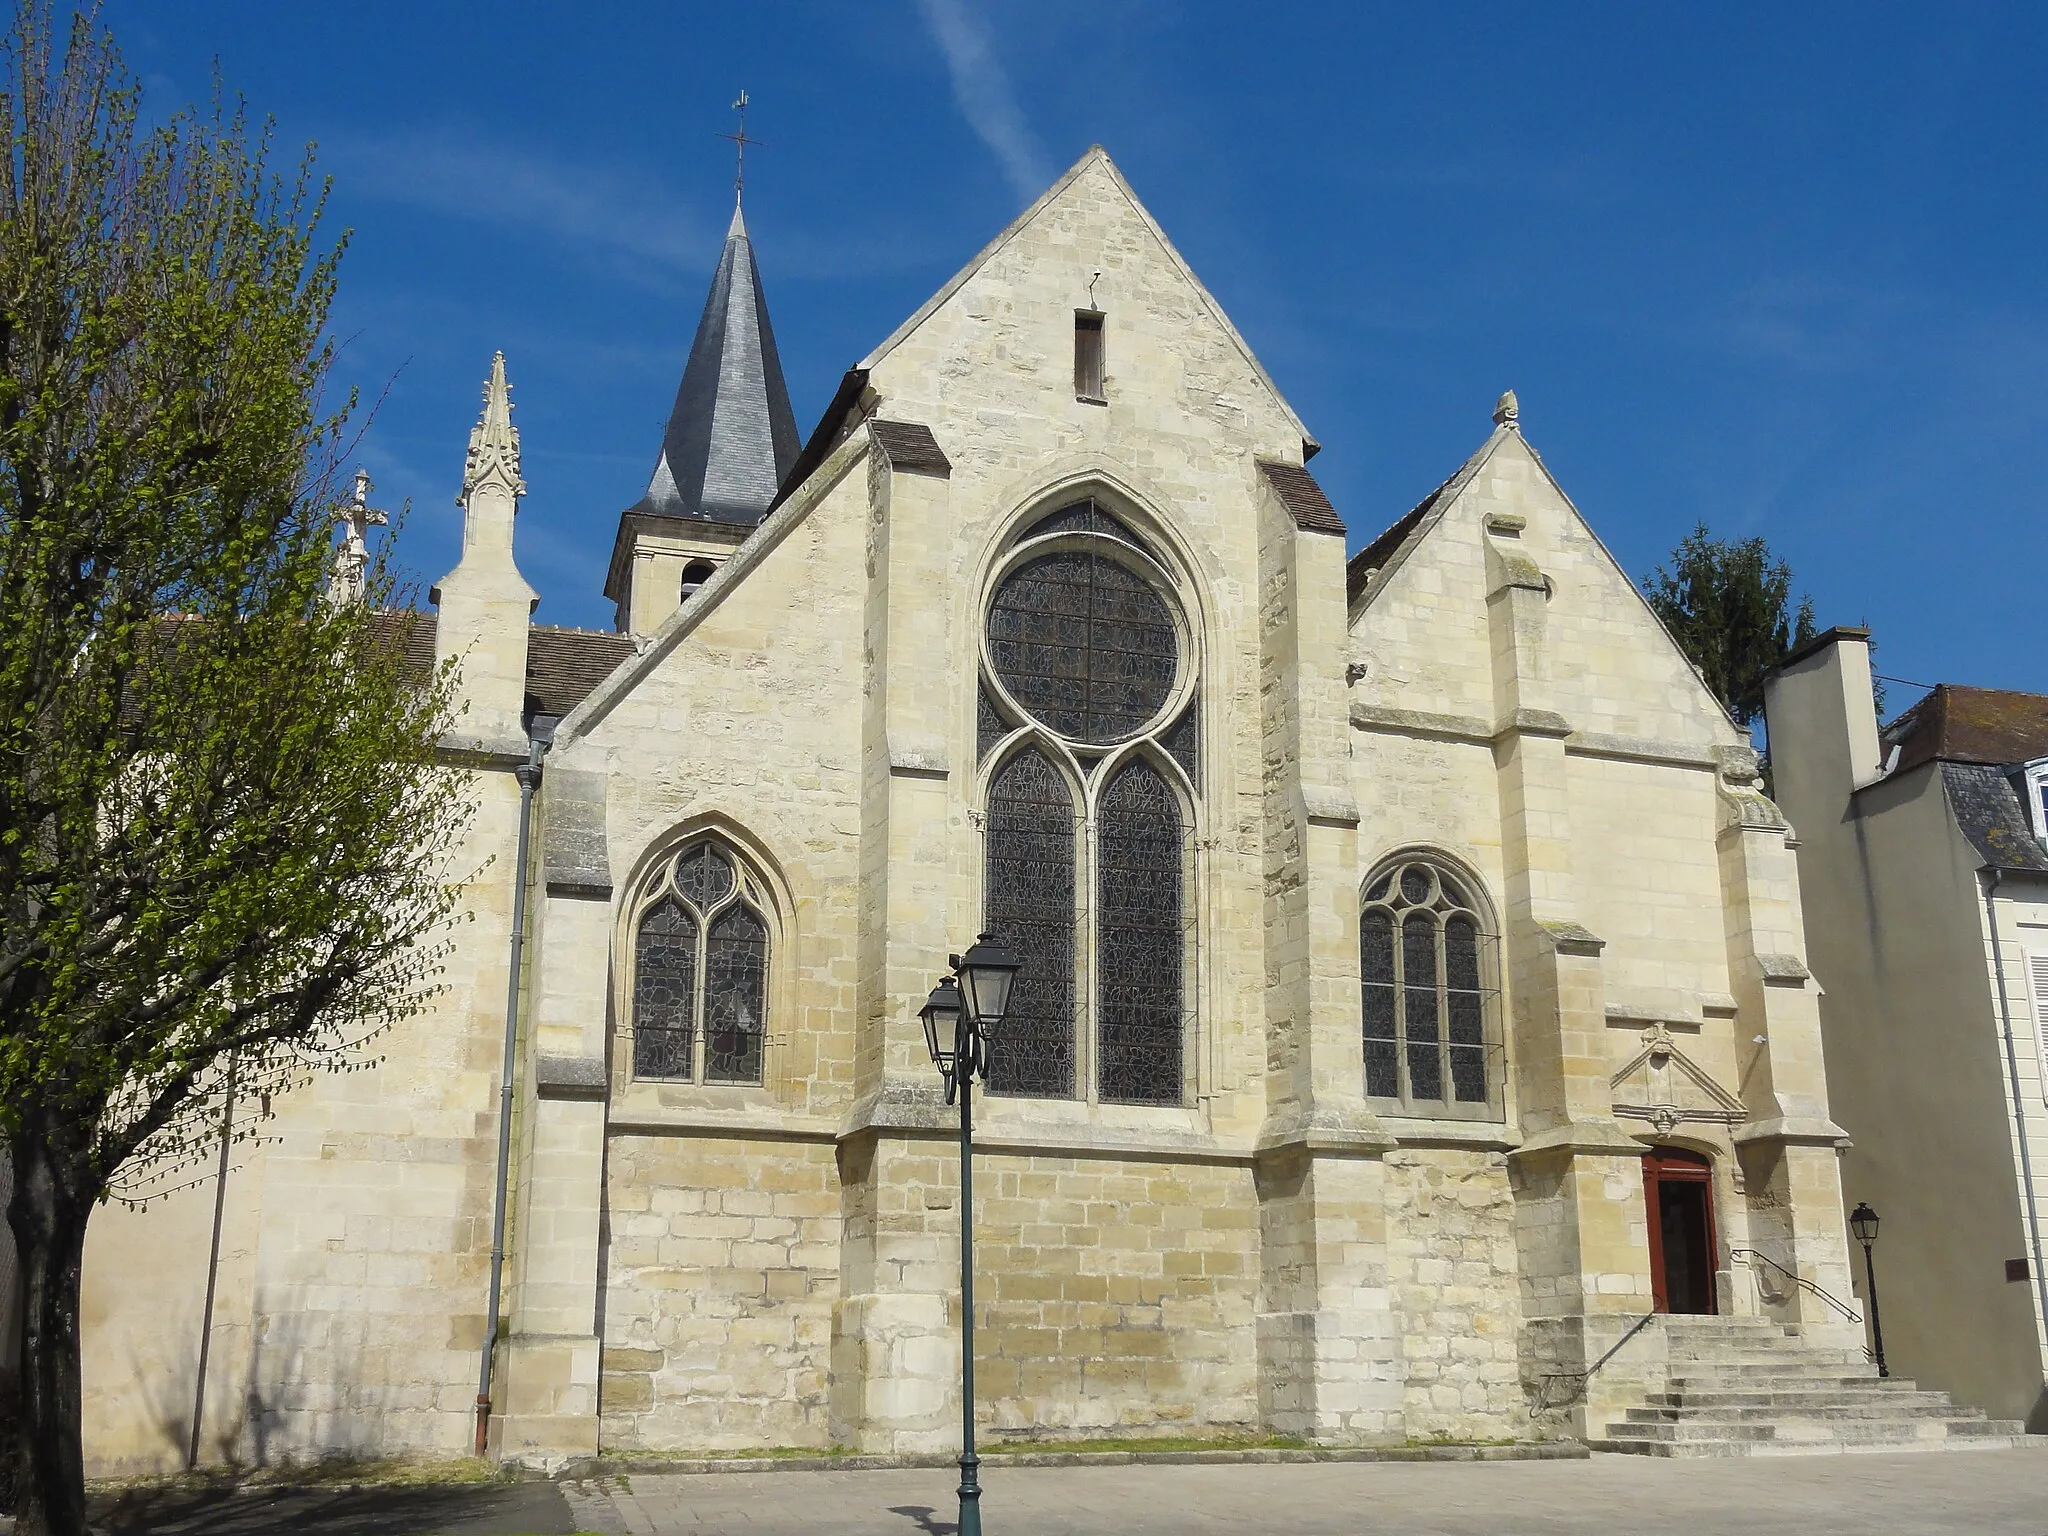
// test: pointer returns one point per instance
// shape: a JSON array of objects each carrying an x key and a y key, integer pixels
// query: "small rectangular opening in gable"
[{"x": 1088, "y": 375}]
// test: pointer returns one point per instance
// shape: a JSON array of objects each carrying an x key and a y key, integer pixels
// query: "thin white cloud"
[
  {"x": 981, "y": 89},
  {"x": 601, "y": 213},
  {"x": 629, "y": 224}
]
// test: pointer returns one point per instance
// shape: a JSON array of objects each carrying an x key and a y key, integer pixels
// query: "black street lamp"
[
  {"x": 1863, "y": 1222},
  {"x": 960, "y": 1021}
]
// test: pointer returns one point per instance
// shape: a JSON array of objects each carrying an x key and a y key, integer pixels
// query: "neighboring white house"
[{"x": 1925, "y": 871}]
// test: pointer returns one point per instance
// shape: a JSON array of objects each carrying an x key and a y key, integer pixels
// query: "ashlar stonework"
[{"x": 1458, "y": 887}]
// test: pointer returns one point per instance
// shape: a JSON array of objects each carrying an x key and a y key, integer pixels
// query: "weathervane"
[{"x": 741, "y": 141}]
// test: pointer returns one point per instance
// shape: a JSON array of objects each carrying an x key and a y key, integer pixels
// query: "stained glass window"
[
  {"x": 1029, "y": 900},
  {"x": 1382, "y": 1014},
  {"x": 989, "y": 729},
  {"x": 1141, "y": 939},
  {"x": 1182, "y": 742},
  {"x": 664, "y": 992},
  {"x": 1085, "y": 517},
  {"x": 700, "y": 953},
  {"x": 735, "y": 995},
  {"x": 1428, "y": 1004},
  {"x": 1084, "y": 644},
  {"x": 703, "y": 875}
]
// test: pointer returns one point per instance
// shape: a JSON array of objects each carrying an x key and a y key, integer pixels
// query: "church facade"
[{"x": 1415, "y": 994}]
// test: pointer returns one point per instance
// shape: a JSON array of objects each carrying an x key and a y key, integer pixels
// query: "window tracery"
[
  {"x": 1429, "y": 1006},
  {"x": 700, "y": 970},
  {"x": 1084, "y": 642}
]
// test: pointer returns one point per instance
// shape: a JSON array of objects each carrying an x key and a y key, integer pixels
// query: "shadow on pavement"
[
  {"x": 924, "y": 1515},
  {"x": 520, "y": 1509}
]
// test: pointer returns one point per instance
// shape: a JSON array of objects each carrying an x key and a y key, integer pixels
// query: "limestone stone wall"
[
  {"x": 1452, "y": 1267},
  {"x": 1115, "y": 1296},
  {"x": 350, "y": 1301},
  {"x": 722, "y": 1272},
  {"x": 1649, "y": 878}
]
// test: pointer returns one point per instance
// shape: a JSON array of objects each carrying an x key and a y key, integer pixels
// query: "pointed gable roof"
[
  {"x": 1096, "y": 156},
  {"x": 732, "y": 435},
  {"x": 1366, "y": 573}
]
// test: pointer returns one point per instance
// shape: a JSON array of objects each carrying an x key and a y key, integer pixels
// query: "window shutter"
[
  {"x": 2037, "y": 978},
  {"x": 1088, "y": 374}
]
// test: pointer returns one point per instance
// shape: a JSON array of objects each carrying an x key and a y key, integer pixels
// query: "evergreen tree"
[
  {"x": 224, "y": 839},
  {"x": 1729, "y": 607}
]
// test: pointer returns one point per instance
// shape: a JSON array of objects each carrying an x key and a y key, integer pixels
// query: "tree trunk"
[{"x": 48, "y": 1217}]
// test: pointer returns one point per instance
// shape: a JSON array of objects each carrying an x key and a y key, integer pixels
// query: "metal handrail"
[
  {"x": 1801, "y": 1281},
  {"x": 1580, "y": 1378}
]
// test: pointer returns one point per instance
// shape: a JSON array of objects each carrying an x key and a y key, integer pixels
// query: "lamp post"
[
  {"x": 960, "y": 1020},
  {"x": 1863, "y": 1222}
]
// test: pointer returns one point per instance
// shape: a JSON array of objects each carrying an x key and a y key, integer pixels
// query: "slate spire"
[{"x": 731, "y": 436}]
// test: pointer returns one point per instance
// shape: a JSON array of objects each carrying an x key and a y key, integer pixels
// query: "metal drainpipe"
[
  {"x": 528, "y": 774},
  {"x": 2019, "y": 1112}
]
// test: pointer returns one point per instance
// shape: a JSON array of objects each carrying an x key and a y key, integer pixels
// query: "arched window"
[
  {"x": 1029, "y": 900},
  {"x": 1426, "y": 962},
  {"x": 700, "y": 970},
  {"x": 1086, "y": 652},
  {"x": 695, "y": 574},
  {"x": 1141, "y": 938}
]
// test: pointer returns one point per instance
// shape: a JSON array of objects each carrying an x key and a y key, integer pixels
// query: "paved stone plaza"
[{"x": 1985, "y": 1493}]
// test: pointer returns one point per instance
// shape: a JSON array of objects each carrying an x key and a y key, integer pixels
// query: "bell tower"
[{"x": 731, "y": 437}]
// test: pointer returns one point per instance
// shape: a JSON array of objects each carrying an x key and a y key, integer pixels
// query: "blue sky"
[{"x": 1777, "y": 268}]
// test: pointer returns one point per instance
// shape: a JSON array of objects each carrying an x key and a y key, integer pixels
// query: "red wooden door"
[{"x": 1678, "y": 1201}]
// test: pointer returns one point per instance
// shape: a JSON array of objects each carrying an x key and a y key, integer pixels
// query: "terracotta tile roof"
[
  {"x": 563, "y": 666},
  {"x": 910, "y": 447},
  {"x": 1954, "y": 724},
  {"x": 1302, "y": 497}
]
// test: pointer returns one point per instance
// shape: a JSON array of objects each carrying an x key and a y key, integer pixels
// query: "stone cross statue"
[{"x": 357, "y": 517}]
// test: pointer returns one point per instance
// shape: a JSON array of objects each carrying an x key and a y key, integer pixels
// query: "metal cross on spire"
[{"x": 741, "y": 141}]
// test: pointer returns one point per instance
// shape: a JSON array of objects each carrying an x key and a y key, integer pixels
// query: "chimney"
[{"x": 1822, "y": 725}]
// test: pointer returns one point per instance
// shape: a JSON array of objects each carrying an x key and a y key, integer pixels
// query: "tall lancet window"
[
  {"x": 1088, "y": 717},
  {"x": 1430, "y": 1006},
  {"x": 700, "y": 970},
  {"x": 1030, "y": 901}
]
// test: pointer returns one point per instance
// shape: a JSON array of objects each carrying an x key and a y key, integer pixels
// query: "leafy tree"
[
  {"x": 1729, "y": 606},
  {"x": 222, "y": 835}
]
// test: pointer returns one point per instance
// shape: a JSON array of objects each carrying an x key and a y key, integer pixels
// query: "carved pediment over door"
[{"x": 1664, "y": 1086}]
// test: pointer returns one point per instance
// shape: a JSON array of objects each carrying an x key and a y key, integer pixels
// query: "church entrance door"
[{"x": 1678, "y": 1198}]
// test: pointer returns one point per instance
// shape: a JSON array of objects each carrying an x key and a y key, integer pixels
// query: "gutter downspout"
[
  {"x": 528, "y": 774},
  {"x": 2019, "y": 1112}
]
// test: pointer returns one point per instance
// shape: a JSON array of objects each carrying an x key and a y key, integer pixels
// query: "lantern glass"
[
  {"x": 1863, "y": 1222},
  {"x": 941, "y": 1015},
  {"x": 989, "y": 969}
]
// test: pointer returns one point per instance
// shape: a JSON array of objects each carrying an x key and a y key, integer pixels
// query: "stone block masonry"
[
  {"x": 724, "y": 1267},
  {"x": 1119, "y": 1297}
]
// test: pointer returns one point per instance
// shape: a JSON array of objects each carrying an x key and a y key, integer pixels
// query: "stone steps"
[{"x": 1746, "y": 1387}]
